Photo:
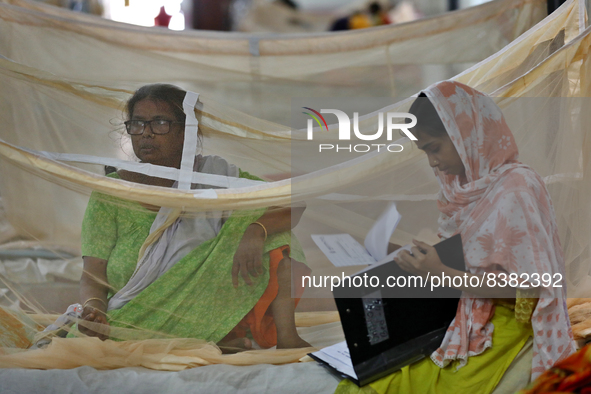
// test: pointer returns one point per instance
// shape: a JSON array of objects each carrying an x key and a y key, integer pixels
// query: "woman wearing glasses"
[{"x": 212, "y": 277}]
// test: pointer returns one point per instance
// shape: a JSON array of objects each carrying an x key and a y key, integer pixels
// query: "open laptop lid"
[{"x": 376, "y": 319}]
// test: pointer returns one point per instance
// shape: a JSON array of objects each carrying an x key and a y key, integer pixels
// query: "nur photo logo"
[{"x": 394, "y": 121}]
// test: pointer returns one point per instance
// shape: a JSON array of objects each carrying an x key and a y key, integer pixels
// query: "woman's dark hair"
[
  {"x": 428, "y": 119},
  {"x": 169, "y": 94}
]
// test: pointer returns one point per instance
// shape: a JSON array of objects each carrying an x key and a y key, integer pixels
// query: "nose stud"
[{"x": 435, "y": 162}]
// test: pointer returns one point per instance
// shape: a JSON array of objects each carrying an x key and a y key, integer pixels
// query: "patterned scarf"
[{"x": 503, "y": 211}]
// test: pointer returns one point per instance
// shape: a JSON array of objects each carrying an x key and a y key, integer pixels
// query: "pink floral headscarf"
[{"x": 503, "y": 211}]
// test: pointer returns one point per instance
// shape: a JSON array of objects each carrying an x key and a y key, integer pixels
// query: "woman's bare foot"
[
  {"x": 292, "y": 342},
  {"x": 235, "y": 345},
  {"x": 283, "y": 308}
]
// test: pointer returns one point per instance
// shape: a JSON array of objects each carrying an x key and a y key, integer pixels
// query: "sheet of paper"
[
  {"x": 342, "y": 249},
  {"x": 338, "y": 357},
  {"x": 391, "y": 256},
  {"x": 378, "y": 237},
  {"x": 387, "y": 259}
]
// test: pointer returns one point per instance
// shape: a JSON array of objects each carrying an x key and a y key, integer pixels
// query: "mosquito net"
[
  {"x": 253, "y": 72},
  {"x": 262, "y": 16},
  {"x": 63, "y": 119}
]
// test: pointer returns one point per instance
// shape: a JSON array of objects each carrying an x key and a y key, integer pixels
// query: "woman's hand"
[
  {"x": 248, "y": 259},
  {"x": 94, "y": 289},
  {"x": 423, "y": 260},
  {"x": 94, "y": 314}
]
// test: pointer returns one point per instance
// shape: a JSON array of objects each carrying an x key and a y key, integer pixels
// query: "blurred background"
[{"x": 269, "y": 16}]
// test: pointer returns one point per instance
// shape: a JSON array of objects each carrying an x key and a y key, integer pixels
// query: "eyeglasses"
[{"x": 158, "y": 126}]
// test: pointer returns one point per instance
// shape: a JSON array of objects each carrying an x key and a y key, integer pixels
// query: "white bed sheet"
[{"x": 306, "y": 377}]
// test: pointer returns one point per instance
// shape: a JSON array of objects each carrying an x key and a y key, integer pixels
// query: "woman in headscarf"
[{"x": 503, "y": 212}]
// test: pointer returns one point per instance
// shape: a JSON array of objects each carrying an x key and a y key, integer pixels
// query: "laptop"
[{"x": 387, "y": 328}]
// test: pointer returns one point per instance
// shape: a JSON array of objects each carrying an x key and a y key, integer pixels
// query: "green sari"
[{"x": 193, "y": 299}]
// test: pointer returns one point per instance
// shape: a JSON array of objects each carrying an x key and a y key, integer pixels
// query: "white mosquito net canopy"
[
  {"x": 62, "y": 118},
  {"x": 255, "y": 74},
  {"x": 259, "y": 73}
]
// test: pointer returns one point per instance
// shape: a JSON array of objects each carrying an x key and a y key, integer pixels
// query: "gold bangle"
[
  {"x": 264, "y": 228},
  {"x": 92, "y": 299}
]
